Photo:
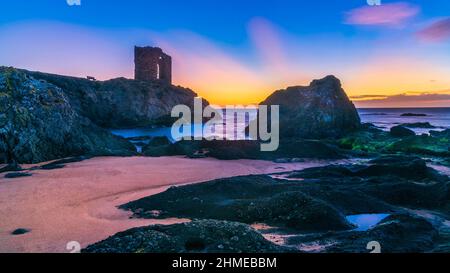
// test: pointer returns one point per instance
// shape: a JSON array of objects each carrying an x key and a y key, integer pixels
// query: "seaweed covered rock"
[
  {"x": 436, "y": 145},
  {"x": 193, "y": 237},
  {"x": 37, "y": 123},
  {"x": 396, "y": 180},
  {"x": 247, "y": 199},
  {"x": 408, "y": 167},
  {"x": 161, "y": 146},
  {"x": 319, "y": 110},
  {"x": 401, "y": 131},
  {"x": 372, "y": 141}
]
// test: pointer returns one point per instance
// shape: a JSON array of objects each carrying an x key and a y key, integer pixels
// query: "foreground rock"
[
  {"x": 402, "y": 233},
  {"x": 38, "y": 123},
  {"x": 248, "y": 200},
  {"x": 394, "y": 180},
  {"x": 16, "y": 175},
  {"x": 243, "y": 149},
  {"x": 319, "y": 110},
  {"x": 197, "y": 236}
]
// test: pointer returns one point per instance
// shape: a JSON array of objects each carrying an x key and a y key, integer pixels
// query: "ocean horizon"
[{"x": 383, "y": 118}]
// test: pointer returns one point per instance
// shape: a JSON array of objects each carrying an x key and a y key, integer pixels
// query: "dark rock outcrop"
[
  {"x": 194, "y": 237},
  {"x": 400, "y": 131},
  {"x": 17, "y": 175},
  {"x": 246, "y": 199},
  {"x": 20, "y": 231},
  {"x": 322, "y": 194},
  {"x": 319, "y": 110},
  {"x": 38, "y": 123},
  {"x": 375, "y": 142},
  {"x": 424, "y": 125}
]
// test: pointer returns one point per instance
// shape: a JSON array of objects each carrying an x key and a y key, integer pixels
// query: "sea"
[
  {"x": 386, "y": 118},
  {"x": 383, "y": 118}
]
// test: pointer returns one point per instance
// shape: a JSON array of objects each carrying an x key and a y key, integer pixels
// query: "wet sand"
[{"x": 79, "y": 202}]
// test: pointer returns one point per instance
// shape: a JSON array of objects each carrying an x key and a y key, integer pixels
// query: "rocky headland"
[{"x": 45, "y": 116}]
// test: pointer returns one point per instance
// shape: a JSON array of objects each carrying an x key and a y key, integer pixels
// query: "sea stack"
[{"x": 319, "y": 110}]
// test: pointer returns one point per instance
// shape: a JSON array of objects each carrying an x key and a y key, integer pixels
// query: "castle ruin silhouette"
[{"x": 151, "y": 64}]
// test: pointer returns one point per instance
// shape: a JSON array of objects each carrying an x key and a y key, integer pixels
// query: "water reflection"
[{"x": 366, "y": 221}]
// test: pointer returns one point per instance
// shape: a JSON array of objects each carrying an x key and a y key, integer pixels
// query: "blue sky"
[
  {"x": 221, "y": 20},
  {"x": 268, "y": 44}
]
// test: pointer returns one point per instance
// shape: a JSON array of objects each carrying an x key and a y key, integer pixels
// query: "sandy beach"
[{"x": 79, "y": 202}]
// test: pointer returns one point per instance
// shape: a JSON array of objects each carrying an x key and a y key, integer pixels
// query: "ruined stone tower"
[{"x": 151, "y": 63}]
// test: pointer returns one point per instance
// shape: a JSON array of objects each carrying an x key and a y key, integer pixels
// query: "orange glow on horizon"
[{"x": 222, "y": 73}]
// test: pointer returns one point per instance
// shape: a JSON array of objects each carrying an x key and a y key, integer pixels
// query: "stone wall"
[{"x": 151, "y": 63}]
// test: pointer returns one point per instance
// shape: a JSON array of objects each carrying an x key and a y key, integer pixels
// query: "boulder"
[
  {"x": 20, "y": 231},
  {"x": 161, "y": 146},
  {"x": 201, "y": 236},
  {"x": 437, "y": 145},
  {"x": 396, "y": 180},
  {"x": 158, "y": 141},
  {"x": 319, "y": 110},
  {"x": 289, "y": 148},
  {"x": 399, "y": 233},
  {"x": 400, "y": 131}
]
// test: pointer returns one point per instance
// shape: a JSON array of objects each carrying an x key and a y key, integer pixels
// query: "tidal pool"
[{"x": 366, "y": 221}]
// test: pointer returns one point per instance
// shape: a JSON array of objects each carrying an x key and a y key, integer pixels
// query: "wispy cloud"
[
  {"x": 266, "y": 38},
  {"x": 436, "y": 31},
  {"x": 403, "y": 100},
  {"x": 392, "y": 14},
  {"x": 368, "y": 97}
]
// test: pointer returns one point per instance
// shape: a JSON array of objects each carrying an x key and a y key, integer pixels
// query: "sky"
[{"x": 396, "y": 54}]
